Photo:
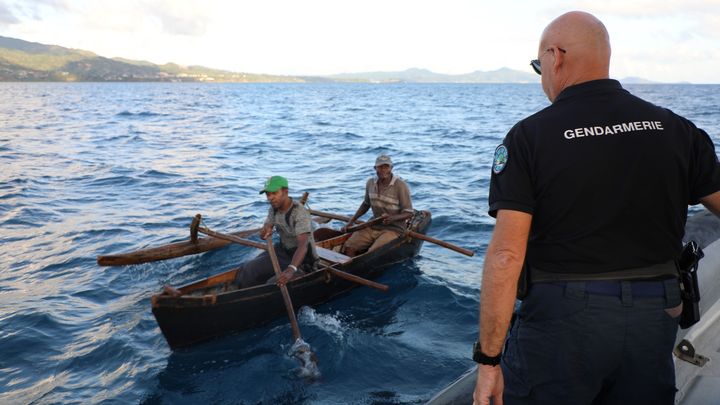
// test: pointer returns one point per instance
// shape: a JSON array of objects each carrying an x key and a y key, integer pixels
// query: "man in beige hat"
[{"x": 389, "y": 197}]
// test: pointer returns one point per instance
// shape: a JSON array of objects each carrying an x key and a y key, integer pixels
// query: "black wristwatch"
[{"x": 482, "y": 358}]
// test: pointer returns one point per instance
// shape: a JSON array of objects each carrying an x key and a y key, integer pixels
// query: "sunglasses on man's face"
[{"x": 535, "y": 63}]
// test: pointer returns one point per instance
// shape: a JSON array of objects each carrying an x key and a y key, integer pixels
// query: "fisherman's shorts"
[
  {"x": 595, "y": 342},
  {"x": 370, "y": 239},
  {"x": 259, "y": 270}
]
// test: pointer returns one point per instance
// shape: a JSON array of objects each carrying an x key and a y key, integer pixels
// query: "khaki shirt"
[
  {"x": 290, "y": 224},
  {"x": 393, "y": 200}
]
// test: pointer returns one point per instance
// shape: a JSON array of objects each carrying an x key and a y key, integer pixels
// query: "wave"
[
  {"x": 141, "y": 114},
  {"x": 125, "y": 170},
  {"x": 113, "y": 181},
  {"x": 327, "y": 322},
  {"x": 153, "y": 174}
]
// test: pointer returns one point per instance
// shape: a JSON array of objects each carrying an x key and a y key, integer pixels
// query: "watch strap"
[{"x": 482, "y": 358}]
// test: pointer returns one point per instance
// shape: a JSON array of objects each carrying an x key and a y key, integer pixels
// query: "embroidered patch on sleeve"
[{"x": 500, "y": 159}]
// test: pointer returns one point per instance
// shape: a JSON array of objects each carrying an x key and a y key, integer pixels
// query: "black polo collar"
[{"x": 593, "y": 86}]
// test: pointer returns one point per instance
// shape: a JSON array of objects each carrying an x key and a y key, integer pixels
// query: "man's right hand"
[
  {"x": 490, "y": 384},
  {"x": 266, "y": 231}
]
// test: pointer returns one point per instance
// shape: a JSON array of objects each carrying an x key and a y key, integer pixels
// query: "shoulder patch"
[{"x": 500, "y": 159}]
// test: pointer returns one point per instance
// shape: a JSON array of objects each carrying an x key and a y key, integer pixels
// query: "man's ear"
[{"x": 558, "y": 60}]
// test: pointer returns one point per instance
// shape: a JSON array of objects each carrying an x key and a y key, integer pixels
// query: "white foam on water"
[
  {"x": 327, "y": 322},
  {"x": 303, "y": 352}
]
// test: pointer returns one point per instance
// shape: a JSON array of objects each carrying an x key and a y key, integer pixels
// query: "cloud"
[
  {"x": 703, "y": 14},
  {"x": 7, "y": 17},
  {"x": 649, "y": 8},
  {"x": 35, "y": 10},
  {"x": 189, "y": 18},
  {"x": 709, "y": 24}
]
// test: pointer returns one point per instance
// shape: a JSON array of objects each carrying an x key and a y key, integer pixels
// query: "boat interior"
[{"x": 329, "y": 243}]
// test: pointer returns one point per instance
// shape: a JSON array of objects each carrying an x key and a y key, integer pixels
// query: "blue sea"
[{"x": 90, "y": 169}]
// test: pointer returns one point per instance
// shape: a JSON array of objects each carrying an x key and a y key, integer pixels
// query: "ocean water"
[{"x": 90, "y": 169}]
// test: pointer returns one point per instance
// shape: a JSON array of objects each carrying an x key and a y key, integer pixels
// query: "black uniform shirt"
[{"x": 607, "y": 177}]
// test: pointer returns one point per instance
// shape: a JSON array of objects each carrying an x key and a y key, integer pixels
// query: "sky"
[{"x": 659, "y": 40}]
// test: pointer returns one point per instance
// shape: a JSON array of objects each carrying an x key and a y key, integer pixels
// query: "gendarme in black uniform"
[{"x": 607, "y": 177}]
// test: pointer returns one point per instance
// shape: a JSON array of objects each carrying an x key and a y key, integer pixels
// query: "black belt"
[
  {"x": 654, "y": 272},
  {"x": 639, "y": 288}
]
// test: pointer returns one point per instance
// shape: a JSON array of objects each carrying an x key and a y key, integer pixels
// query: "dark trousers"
[
  {"x": 574, "y": 343},
  {"x": 259, "y": 270}
]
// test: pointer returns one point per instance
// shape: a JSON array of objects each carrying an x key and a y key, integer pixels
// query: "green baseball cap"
[{"x": 274, "y": 183}]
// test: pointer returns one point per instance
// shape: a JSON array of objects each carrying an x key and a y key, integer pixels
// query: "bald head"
[{"x": 586, "y": 46}]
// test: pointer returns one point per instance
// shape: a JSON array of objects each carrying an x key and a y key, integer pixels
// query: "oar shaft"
[
  {"x": 357, "y": 279},
  {"x": 363, "y": 225},
  {"x": 331, "y": 216},
  {"x": 230, "y": 238},
  {"x": 410, "y": 233},
  {"x": 442, "y": 243},
  {"x": 284, "y": 291}
]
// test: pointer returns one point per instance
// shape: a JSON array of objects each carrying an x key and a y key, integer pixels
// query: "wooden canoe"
[{"x": 209, "y": 308}]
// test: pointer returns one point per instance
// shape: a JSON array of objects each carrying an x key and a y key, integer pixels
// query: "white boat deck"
[{"x": 701, "y": 384}]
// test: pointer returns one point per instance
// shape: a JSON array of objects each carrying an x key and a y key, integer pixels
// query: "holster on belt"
[{"x": 687, "y": 266}]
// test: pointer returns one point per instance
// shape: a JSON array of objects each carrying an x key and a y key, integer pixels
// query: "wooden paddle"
[
  {"x": 363, "y": 225},
  {"x": 283, "y": 289},
  {"x": 231, "y": 238},
  {"x": 354, "y": 278},
  {"x": 301, "y": 350},
  {"x": 410, "y": 233}
]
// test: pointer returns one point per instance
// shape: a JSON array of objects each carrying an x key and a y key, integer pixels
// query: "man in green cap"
[
  {"x": 296, "y": 249},
  {"x": 389, "y": 197}
]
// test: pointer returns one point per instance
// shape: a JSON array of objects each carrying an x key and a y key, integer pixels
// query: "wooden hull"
[{"x": 206, "y": 311}]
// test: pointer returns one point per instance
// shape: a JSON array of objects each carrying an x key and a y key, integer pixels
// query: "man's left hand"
[
  {"x": 490, "y": 384},
  {"x": 285, "y": 276}
]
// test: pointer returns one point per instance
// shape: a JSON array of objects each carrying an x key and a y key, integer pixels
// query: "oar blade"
[{"x": 302, "y": 351}]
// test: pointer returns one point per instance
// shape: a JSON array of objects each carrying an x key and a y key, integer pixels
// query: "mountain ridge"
[{"x": 22, "y": 61}]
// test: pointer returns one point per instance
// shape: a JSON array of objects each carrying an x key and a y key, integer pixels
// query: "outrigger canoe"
[{"x": 211, "y": 308}]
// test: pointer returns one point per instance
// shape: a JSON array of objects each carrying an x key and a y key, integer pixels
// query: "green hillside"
[{"x": 29, "y": 61}]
